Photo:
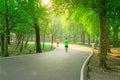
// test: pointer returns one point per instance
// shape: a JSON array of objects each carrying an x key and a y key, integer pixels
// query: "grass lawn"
[
  {"x": 46, "y": 47},
  {"x": 30, "y": 49}
]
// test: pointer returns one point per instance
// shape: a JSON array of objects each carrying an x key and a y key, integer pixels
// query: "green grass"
[
  {"x": 46, "y": 46},
  {"x": 30, "y": 49}
]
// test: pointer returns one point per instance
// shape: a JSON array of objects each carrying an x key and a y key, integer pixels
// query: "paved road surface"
[{"x": 53, "y": 65}]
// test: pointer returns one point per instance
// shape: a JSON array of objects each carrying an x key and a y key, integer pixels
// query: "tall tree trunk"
[
  {"x": 21, "y": 47},
  {"x": 107, "y": 36},
  {"x": 44, "y": 35},
  {"x": 88, "y": 39},
  {"x": 83, "y": 37},
  {"x": 6, "y": 34},
  {"x": 6, "y": 45},
  {"x": 18, "y": 40},
  {"x": 2, "y": 45},
  {"x": 103, "y": 50},
  {"x": 38, "y": 44},
  {"x": 52, "y": 38},
  {"x": 115, "y": 36},
  {"x": 37, "y": 31},
  {"x": 27, "y": 41}
]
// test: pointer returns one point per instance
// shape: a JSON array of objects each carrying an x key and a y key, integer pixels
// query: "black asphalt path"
[{"x": 53, "y": 65}]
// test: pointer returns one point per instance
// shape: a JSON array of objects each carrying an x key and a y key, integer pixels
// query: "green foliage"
[
  {"x": 69, "y": 17},
  {"x": 30, "y": 50},
  {"x": 47, "y": 47},
  {"x": 81, "y": 13}
]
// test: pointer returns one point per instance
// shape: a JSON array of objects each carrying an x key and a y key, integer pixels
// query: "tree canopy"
[{"x": 82, "y": 21}]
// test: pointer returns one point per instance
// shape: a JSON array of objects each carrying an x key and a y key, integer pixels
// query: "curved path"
[{"x": 53, "y": 65}]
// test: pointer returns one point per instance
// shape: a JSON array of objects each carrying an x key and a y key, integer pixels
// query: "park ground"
[
  {"x": 113, "y": 62},
  {"x": 53, "y": 65}
]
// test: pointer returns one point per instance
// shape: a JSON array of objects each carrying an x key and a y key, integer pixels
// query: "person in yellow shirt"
[{"x": 57, "y": 41}]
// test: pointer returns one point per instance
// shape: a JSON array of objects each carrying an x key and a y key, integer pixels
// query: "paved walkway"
[{"x": 53, "y": 65}]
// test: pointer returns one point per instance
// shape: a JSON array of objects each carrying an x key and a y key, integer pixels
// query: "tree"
[
  {"x": 9, "y": 15},
  {"x": 35, "y": 13},
  {"x": 98, "y": 6}
]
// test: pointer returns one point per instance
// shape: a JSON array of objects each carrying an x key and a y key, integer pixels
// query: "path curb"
[{"x": 82, "y": 76}]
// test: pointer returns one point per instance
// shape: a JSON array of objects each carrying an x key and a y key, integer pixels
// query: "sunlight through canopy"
[{"x": 45, "y": 2}]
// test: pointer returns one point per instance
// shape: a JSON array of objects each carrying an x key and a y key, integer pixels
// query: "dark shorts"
[{"x": 66, "y": 46}]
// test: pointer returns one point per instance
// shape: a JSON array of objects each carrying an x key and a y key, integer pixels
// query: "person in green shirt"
[{"x": 66, "y": 43}]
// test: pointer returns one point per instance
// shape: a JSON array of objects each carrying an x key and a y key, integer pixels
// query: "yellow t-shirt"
[{"x": 57, "y": 40}]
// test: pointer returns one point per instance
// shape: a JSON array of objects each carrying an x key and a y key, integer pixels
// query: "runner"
[
  {"x": 57, "y": 41},
  {"x": 66, "y": 42}
]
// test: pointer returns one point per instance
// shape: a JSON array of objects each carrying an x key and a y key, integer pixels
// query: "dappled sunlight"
[
  {"x": 115, "y": 52},
  {"x": 46, "y": 3},
  {"x": 80, "y": 47}
]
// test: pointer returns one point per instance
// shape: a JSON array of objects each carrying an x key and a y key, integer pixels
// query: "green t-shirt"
[{"x": 66, "y": 42}]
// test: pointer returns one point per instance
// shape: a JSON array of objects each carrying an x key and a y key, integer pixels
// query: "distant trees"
[
  {"x": 6, "y": 12},
  {"x": 36, "y": 14},
  {"x": 80, "y": 20},
  {"x": 20, "y": 17},
  {"x": 95, "y": 15}
]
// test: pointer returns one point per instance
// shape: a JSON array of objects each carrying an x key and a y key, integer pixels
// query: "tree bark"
[
  {"x": 38, "y": 44},
  {"x": 6, "y": 45},
  {"x": 6, "y": 34},
  {"x": 44, "y": 35},
  {"x": 27, "y": 41},
  {"x": 88, "y": 39},
  {"x": 21, "y": 47},
  {"x": 2, "y": 45},
  {"x": 103, "y": 50},
  {"x": 18, "y": 40},
  {"x": 107, "y": 37},
  {"x": 115, "y": 36},
  {"x": 83, "y": 37},
  {"x": 52, "y": 38}
]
